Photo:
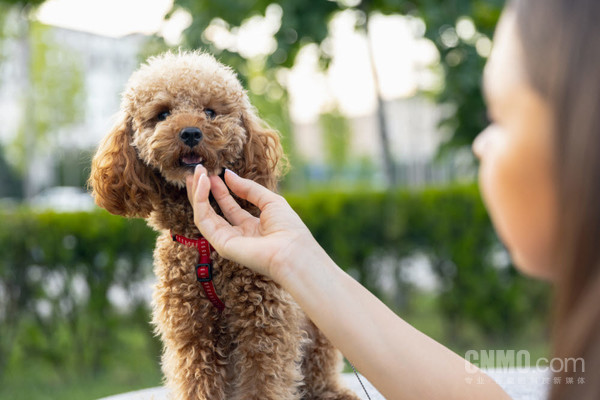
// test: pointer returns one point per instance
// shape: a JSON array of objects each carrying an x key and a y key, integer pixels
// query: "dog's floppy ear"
[
  {"x": 121, "y": 183},
  {"x": 264, "y": 160}
]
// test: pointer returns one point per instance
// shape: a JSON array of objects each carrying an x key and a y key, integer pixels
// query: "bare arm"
[{"x": 400, "y": 361}]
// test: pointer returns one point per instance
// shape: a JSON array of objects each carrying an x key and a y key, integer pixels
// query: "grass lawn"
[{"x": 44, "y": 386}]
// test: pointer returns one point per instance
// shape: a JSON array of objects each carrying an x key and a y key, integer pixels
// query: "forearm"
[{"x": 400, "y": 361}]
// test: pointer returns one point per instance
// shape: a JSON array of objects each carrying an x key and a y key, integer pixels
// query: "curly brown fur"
[{"x": 262, "y": 346}]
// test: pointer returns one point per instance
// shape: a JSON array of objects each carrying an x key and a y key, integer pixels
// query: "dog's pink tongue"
[{"x": 191, "y": 159}]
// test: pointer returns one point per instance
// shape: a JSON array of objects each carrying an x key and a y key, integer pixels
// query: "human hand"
[{"x": 266, "y": 244}]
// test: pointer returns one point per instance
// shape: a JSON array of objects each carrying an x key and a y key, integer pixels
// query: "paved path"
[{"x": 522, "y": 384}]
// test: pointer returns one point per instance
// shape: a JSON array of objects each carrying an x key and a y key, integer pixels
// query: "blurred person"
[{"x": 540, "y": 180}]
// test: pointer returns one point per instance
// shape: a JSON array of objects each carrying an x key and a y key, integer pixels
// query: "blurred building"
[
  {"x": 414, "y": 136},
  {"x": 106, "y": 64}
]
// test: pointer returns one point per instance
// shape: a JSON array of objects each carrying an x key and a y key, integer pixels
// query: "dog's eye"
[
  {"x": 163, "y": 115},
  {"x": 210, "y": 113}
]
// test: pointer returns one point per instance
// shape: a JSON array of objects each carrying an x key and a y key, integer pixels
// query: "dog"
[{"x": 227, "y": 332}]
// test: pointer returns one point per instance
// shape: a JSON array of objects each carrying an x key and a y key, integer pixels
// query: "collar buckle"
[{"x": 204, "y": 272}]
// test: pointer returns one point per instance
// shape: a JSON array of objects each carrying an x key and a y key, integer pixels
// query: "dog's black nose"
[{"x": 191, "y": 136}]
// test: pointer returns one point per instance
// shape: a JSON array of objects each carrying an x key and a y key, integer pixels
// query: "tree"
[
  {"x": 336, "y": 140},
  {"x": 462, "y": 56}
]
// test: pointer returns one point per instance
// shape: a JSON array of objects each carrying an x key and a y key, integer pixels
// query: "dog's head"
[{"x": 177, "y": 111}]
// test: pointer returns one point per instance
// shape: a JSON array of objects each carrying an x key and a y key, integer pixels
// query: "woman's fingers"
[
  {"x": 249, "y": 190},
  {"x": 216, "y": 230},
  {"x": 191, "y": 182},
  {"x": 231, "y": 209}
]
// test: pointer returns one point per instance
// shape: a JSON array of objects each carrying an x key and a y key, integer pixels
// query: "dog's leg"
[
  {"x": 266, "y": 360},
  {"x": 321, "y": 366},
  {"x": 194, "y": 370},
  {"x": 193, "y": 362}
]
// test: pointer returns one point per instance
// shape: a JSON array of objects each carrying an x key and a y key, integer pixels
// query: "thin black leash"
[{"x": 359, "y": 380}]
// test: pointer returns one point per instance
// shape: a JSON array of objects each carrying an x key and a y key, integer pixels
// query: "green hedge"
[
  {"x": 56, "y": 270},
  {"x": 55, "y": 274}
]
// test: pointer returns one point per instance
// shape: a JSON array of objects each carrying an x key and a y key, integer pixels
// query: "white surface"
[{"x": 520, "y": 384}]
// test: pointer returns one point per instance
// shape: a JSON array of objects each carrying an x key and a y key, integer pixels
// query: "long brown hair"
[{"x": 561, "y": 46}]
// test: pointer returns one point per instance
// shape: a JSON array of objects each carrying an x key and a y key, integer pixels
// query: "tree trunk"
[{"x": 389, "y": 166}]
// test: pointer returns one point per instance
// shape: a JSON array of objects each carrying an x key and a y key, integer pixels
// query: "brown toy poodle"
[{"x": 228, "y": 332}]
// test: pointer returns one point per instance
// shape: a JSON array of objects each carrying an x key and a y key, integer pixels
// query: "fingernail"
[
  {"x": 228, "y": 170},
  {"x": 197, "y": 167}
]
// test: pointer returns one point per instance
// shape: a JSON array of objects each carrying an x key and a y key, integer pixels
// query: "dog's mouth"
[{"x": 190, "y": 160}]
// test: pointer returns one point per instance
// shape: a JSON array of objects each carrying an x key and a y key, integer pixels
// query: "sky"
[
  {"x": 113, "y": 18},
  {"x": 400, "y": 53}
]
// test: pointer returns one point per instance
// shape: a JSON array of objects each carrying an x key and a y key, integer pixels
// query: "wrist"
[{"x": 302, "y": 256}]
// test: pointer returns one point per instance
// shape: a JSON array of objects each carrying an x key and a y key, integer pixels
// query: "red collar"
[{"x": 204, "y": 266}]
